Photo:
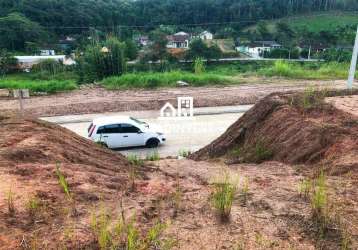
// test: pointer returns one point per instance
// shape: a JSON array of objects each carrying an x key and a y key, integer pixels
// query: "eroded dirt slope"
[{"x": 291, "y": 128}]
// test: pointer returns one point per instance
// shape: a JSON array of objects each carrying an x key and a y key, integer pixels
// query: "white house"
[
  {"x": 206, "y": 35},
  {"x": 257, "y": 48},
  {"x": 26, "y": 62},
  {"x": 179, "y": 40}
]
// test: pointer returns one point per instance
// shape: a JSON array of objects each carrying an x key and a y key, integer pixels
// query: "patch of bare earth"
[
  {"x": 95, "y": 99},
  {"x": 272, "y": 214}
]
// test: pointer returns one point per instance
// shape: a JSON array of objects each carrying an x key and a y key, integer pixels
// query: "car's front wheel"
[{"x": 152, "y": 143}]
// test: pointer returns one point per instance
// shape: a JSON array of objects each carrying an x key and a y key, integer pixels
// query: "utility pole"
[{"x": 353, "y": 63}]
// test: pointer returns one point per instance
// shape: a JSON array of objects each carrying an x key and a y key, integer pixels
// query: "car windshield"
[{"x": 137, "y": 121}]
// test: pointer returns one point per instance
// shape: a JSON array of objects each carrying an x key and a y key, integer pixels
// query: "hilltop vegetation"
[{"x": 314, "y": 22}]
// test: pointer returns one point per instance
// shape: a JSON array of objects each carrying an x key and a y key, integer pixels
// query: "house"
[
  {"x": 143, "y": 40},
  {"x": 206, "y": 35},
  {"x": 179, "y": 40},
  {"x": 257, "y": 48},
  {"x": 47, "y": 52},
  {"x": 27, "y": 62}
]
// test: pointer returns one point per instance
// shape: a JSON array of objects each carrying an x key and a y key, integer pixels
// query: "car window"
[
  {"x": 128, "y": 128},
  {"x": 109, "y": 129}
]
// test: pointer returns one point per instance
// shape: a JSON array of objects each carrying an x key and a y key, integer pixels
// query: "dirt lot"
[
  {"x": 111, "y": 202},
  {"x": 92, "y": 99}
]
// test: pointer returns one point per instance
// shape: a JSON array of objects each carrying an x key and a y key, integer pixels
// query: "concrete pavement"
[{"x": 186, "y": 134}]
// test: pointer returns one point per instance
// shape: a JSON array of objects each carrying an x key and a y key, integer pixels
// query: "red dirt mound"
[
  {"x": 294, "y": 128},
  {"x": 30, "y": 152}
]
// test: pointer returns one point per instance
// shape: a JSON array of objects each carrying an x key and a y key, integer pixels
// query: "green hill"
[{"x": 315, "y": 22}]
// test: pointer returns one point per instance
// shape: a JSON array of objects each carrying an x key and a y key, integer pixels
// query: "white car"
[{"x": 124, "y": 131}]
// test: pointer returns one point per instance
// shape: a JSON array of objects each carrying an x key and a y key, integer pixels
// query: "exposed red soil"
[
  {"x": 291, "y": 134},
  {"x": 95, "y": 99},
  {"x": 178, "y": 192}
]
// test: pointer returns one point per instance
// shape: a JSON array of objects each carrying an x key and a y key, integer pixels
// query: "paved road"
[{"x": 190, "y": 134}]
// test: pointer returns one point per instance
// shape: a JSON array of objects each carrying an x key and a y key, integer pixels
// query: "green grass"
[
  {"x": 150, "y": 80},
  {"x": 50, "y": 86},
  {"x": 223, "y": 196},
  {"x": 324, "y": 71}
]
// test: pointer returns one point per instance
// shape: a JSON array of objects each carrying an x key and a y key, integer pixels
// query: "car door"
[
  {"x": 110, "y": 135},
  {"x": 132, "y": 135}
]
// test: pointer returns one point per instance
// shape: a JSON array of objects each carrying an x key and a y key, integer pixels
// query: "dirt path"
[{"x": 98, "y": 100}]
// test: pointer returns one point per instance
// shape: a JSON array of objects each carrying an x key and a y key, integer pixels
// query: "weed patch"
[
  {"x": 125, "y": 235},
  {"x": 50, "y": 86},
  {"x": 152, "y": 80},
  {"x": 223, "y": 196},
  {"x": 153, "y": 156},
  {"x": 10, "y": 202}
]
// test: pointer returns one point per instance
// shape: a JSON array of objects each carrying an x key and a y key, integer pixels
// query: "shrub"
[
  {"x": 223, "y": 196},
  {"x": 8, "y": 63},
  {"x": 199, "y": 66}
]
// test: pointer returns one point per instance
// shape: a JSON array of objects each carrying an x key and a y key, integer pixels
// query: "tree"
[
  {"x": 263, "y": 31},
  {"x": 286, "y": 36},
  {"x": 16, "y": 30},
  {"x": 131, "y": 50},
  {"x": 102, "y": 59},
  {"x": 8, "y": 63},
  {"x": 158, "y": 48},
  {"x": 197, "y": 49}
]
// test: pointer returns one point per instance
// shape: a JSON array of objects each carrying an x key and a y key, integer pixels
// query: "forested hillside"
[
  {"x": 55, "y": 14},
  {"x": 25, "y": 24}
]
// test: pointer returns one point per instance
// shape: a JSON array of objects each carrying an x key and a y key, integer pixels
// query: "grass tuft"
[
  {"x": 153, "y": 156},
  {"x": 261, "y": 152},
  {"x": 10, "y": 202},
  {"x": 63, "y": 182},
  {"x": 223, "y": 197},
  {"x": 184, "y": 153}
]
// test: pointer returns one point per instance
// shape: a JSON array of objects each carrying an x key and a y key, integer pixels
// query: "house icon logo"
[{"x": 185, "y": 109}]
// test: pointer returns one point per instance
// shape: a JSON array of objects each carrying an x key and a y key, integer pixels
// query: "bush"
[
  {"x": 49, "y": 66},
  {"x": 199, "y": 66},
  {"x": 167, "y": 79},
  {"x": 7, "y": 63}
]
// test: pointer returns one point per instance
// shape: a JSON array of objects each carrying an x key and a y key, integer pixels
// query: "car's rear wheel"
[{"x": 152, "y": 143}]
